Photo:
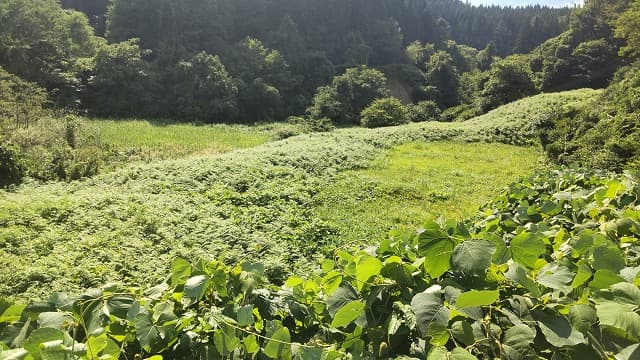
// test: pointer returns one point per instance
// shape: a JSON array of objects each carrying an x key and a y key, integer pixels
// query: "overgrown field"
[
  {"x": 157, "y": 140},
  {"x": 548, "y": 270},
  {"x": 420, "y": 180},
  {"x": 269, "y": 203}
]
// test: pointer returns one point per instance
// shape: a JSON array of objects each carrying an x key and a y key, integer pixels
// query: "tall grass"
[
  {"x": 418, "y": 181},
  {"x": 162, "y": 140}
]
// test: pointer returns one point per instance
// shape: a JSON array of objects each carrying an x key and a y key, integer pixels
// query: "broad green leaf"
[
  {"x": 438, "y": 353},
  {"x": 95, "y": 345},
  {"x": 602, "y": 279},
  {"x": 56, "y": 320},
  {"x": 583, "y": 317},
  {"x": 621, "y": 293},
  {"x": 112, "y": 351},
  {"x": 163, "y": 312},
  {"x": 348, "y": 313},
  {"x": 608, "y": 258},
  {"x": 557, "y": 330},
  {"x": 195, "y": 288},
  {"x": 463, "y": 332},
  {"x": 157, "y": 291},
  {"x": 366, "y": 268},
  {"x": 461, "y": 354},
  {"x": 436, "y": 246},
  {"x": 517, "y": 341},
  {"x": 40, "y": 336},
  {"x": 477, "y": 298},
  {"x": 180, "y": 271},
  {"x": 225, "y": 340},
  {"x": 153, "y": 337},
  {"x": 12, "y": 313},
  {"x": 555, "y": 276},
  {"x": 621, "y": 317},
  {"x": 438, "y": 257},
  {"x": 331, "y": 281},
  {"x": 473, "y": 257},
  {"x": 526, "y": 248},
  {"x": 399, "y": 272},
  {"x": 518, "y": 274},
  {"x": 582, "y": 275},
  {"x": 344, "y": 295},
  {"x": 119, "y": 305},
  {"x": 250, "y": 343},
  {"x": 245, "y": 315},
  {"x": 432, "y": 317},
  {"x": 279, "y": 347}
]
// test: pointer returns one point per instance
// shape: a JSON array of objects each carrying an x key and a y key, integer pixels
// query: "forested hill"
[{"x": 328, "y": 26}]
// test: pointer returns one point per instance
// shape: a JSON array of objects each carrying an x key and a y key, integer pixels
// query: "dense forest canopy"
[{"x": 258, "y": 59}]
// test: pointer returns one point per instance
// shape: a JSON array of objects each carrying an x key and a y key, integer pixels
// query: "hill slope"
[{"x": 249, "y": 204}]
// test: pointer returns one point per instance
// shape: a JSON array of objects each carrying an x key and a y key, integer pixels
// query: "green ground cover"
[
  {"x": 420, "y": 180},
  {"x": 251, "y": 204},
  {"x": 153, "y": 140}
]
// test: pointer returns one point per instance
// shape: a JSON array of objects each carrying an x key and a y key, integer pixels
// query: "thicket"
[
  {"x": 384, "y": 112},
  {"x": 36, "y": 143},
  {"x": 549, "y": 269},
  {"x": 604, "y": 137}
]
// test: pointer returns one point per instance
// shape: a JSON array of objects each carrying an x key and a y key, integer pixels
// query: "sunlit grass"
[
  {"x": 157, "y": 140},
  {"x": 417, "y": 181}
]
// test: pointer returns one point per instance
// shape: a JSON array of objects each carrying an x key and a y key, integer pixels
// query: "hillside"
[
  {"x": 548, "y": 267},
  {"x": 129, "y": 224}
]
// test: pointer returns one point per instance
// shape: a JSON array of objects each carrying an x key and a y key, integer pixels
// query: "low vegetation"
[
  {"x": 211, "y": 241},
  {"x": 158, "y": 140},
  {"x": 547, "y": 269},
  {"x": 232, "y": 204},
  {"x": 416, "y": 181}
]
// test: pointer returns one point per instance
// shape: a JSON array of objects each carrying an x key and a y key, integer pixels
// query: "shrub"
[
  {"x": 21, "y": 102},
  {"x": 460, "y": 113},
  {"x": 423, "y": 111},
  {"x": 348, "y": 95},
  {"x": 384, "y": 112},
  {"x": 509, "y": 80},
  {"x": 310, "y": 124},
  {"x": 11, "y": 169},
  {"x": 58, "y": 149}
]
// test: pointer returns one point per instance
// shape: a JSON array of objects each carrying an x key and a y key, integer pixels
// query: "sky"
[{"x": 554, "y": 3}]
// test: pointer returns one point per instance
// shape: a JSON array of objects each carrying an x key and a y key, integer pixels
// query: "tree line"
[{"x": 244, "y": 59}]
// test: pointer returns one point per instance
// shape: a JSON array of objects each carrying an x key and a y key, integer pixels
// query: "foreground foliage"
[{"x": 549, "y": 269}]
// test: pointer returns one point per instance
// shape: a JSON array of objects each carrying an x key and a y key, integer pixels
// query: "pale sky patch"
[{"x": 553, "y": 3}]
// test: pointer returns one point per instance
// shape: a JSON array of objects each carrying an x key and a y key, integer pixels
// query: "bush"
[
  {"x": 11, "y": 169},
  {"x": 310, "y": 124},
  {"x": 384, "y": 112},
  {"x": 58, "y": 149},
  {"x": 460, "y": 113},
  {"x": 348, "y": 95},
  {"x": 603, "y": 136},
  {"x": 424, "y": 111},
  {"x": 21, "y": 102}
]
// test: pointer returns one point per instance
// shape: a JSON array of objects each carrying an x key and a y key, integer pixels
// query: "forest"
[{"x": 306, "y": 179}]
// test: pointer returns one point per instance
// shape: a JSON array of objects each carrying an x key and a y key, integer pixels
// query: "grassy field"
[
  {"x": 151, "y": 140},
  {"x": 284, "y": 203},
  {"x": 418, "y": 181}
]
